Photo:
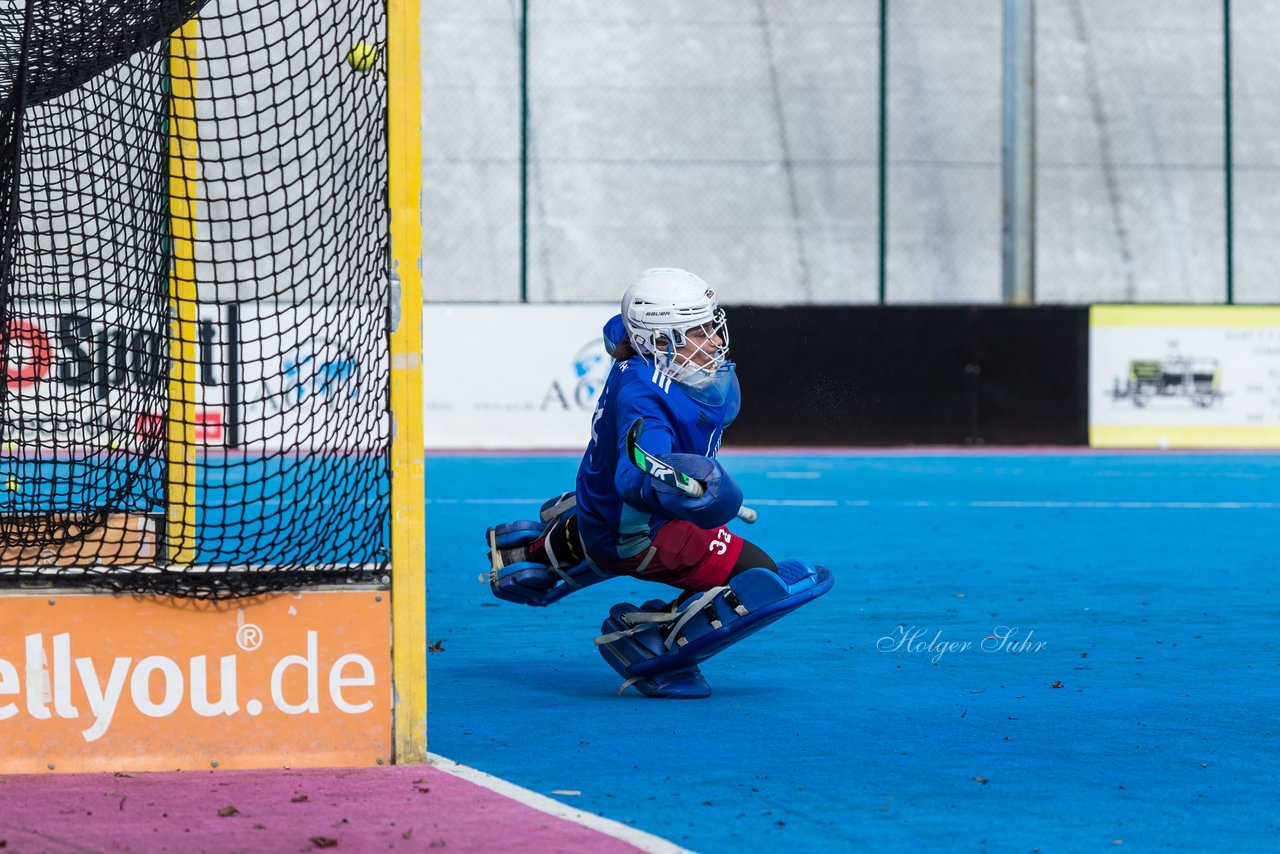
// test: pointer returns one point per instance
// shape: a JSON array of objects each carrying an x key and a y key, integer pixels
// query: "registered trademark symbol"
[{"x": 248, "y": 637}]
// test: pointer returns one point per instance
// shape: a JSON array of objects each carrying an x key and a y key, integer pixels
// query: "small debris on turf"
[
  {"x": 298, "y": 799},
  {"x": 982, "y": 780},
  {"x": 1057, "y": 684},
  {"x": 565, "y": 792},
  {"x": 324, "y": 842},
  {"x": 408, "y": 834},
  {"x": 129, "y": 774},
  {"x": 228, "y": 811},
  {"x": 259, "y": 827},
  {"x": 438, "y": 843},
  {"x": 438, "y": 646},
  {"x": 424, "y": 789},
  {"x": 122, "y": 800}
]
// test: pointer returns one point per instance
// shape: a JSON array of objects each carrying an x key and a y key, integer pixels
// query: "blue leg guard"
[
  {"x": 658, "y": 648},
  {"x": 528, "y": 582}
]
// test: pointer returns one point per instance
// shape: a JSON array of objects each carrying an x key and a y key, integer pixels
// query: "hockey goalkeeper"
[{"x": 670, "y": 395}]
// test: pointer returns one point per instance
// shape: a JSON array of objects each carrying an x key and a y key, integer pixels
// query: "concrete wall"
[{"x": 739, "y": 138}]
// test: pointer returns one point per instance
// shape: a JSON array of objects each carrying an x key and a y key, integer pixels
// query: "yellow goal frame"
[
  {"x": 408, "y": 517},
  {"x": 408, "y": 593}
]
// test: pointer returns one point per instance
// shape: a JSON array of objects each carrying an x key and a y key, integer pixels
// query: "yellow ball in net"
[{"x": 363, "y": 56}]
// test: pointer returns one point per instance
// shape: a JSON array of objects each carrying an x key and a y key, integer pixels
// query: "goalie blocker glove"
[{"x": 717, "y": 506}]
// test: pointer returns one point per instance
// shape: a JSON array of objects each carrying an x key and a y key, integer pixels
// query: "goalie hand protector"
[{"x": 717, "y": 506}]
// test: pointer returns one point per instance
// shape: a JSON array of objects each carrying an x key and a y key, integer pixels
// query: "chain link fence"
[{"x": 759, "y": 143}]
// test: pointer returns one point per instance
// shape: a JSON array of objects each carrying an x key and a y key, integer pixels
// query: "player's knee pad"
[
  {"x": 554, "y": 508},
  {"x": 651, "y": 645},
  {"x": 528, "y": 582},
  {"x": 514, "y": 534}
]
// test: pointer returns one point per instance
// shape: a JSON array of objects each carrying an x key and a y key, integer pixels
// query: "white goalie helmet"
[{"x": 675, "y": 318}]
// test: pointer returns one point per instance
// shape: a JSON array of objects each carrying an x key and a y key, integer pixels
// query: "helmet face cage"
[{"x": 698, "y": 365}]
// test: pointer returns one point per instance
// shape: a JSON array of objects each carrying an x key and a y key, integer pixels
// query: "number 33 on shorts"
[{"x": 720, "y": 544}]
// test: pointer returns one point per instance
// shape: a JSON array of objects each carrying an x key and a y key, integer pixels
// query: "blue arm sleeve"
[{"x": 633, "y": 485}]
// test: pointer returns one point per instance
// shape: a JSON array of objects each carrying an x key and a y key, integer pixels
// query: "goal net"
[{"x": 195, "y": 294}]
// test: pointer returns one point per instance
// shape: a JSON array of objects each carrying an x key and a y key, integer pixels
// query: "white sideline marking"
[
  {"x": 503, "y": 500},
  {"x": 823, "y": 502},
  {"x": 1077, "y": 505},
  {"x": 1138, "y": 505},
  {"x": 794, "y": 502},
  {"x": 550, "y": 806}
]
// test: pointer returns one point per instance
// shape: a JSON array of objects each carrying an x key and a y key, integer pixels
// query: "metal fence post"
[
  {"x": 882, "y": 155},
  {"x": 524, "y": 150},
  {"x": 1019, "y": 154},
  {"x": 1228, "y": 153}
]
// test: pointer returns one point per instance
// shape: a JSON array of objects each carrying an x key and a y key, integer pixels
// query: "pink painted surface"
[{"x": 360, "y": 809}]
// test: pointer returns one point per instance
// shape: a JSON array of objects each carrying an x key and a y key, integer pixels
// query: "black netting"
[{"x": 258, "y": 460}]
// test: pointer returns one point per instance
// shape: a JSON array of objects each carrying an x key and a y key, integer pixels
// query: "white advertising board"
[
  {"x": 512, "y": 376},
  {"x": 313, "y": 376},
  {"x": 1184, "y": 376},
  {"x": 96, "y": 375}
]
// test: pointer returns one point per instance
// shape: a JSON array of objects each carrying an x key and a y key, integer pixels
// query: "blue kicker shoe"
[{"x": 657, "y": 648}]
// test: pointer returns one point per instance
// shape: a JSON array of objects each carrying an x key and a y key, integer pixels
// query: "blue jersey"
[{"x": 613, "y": 518}]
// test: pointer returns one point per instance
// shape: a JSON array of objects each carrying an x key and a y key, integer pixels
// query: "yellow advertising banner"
[
  {"x": 1184, "y": 376},
  {"x": 97, "y": 682}
]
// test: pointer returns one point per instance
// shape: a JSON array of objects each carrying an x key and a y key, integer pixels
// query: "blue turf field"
[
  {"x": 1150, "y": 578},
  {"x": 253, "y": 509}
]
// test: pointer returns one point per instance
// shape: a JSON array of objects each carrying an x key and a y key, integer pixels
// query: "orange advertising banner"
[{"x": 96, "y": 682}]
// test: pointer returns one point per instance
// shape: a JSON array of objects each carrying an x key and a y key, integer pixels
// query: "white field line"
[
  {"x": 1138, "y": 505},
  {"x": 830, "y": 502},
  {"x": 794, "y": 502},
  {"x": 616, "y": 829}
]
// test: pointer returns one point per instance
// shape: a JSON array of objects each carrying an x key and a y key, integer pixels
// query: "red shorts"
[{"x": 685, "y": 556}]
